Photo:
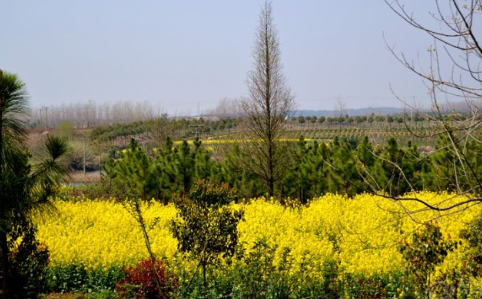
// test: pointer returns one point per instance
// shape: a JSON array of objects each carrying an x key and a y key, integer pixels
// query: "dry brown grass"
[{"x": 88, "y": 178}]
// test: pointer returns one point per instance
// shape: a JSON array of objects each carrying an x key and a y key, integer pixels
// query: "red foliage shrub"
[{"x": 140, "y": 281}]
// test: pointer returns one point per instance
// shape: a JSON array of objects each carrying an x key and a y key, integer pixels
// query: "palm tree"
[{"x": 24, "y": 188}]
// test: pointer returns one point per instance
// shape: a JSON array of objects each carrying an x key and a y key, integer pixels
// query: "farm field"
[
  {"x": 337, "y": 180},
  {"x": 360, "y": 237},
  {"x": 348, "y": 243}
]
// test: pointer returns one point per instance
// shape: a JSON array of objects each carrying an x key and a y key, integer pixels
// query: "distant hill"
[{"x": 350, "y": 112}]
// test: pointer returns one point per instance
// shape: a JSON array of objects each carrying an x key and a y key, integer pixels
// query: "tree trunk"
[
  {"x": 4, "y": 248},
  {"x": 152, "y": 257},
  {"x": 3, "y": 235}
]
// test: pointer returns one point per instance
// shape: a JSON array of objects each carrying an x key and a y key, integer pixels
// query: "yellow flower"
[{"x": 362, "y": 234}]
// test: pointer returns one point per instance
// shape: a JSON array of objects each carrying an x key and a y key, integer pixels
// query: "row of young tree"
[
  {"x": 370, "y": 120},
  {"x": 158, "y": 129},
  {"x": 343, "y": 166}
]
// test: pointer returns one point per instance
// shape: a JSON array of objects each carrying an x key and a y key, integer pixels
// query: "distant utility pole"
[
  {"x": 46, "y": 116},
  {"x": 40, "y": 118},
  {"x": 84, "y": 154}
]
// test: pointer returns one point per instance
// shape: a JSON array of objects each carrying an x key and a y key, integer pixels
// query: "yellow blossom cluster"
[
  {"x": 102, "y": 233},
  {"x": 362, "y": 234}
]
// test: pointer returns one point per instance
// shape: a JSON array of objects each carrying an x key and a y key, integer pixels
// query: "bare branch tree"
[
  {"x": 454, "y": 73},
  {"x": 340, "y": 109},
  {"x": 225, "y": 108},
  {"x": 269, "y": 105}
]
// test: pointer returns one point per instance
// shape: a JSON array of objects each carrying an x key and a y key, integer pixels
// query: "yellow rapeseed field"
[{"x": 361, "y": 233}]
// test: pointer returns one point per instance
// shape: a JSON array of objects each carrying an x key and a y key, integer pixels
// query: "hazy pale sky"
[{"x": 187, "y": 55}]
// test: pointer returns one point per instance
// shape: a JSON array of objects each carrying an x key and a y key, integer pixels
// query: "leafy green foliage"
[
  {"x": 426, "y": 249},
  {"x": 28, "y": 262},
  {"x": 342, "y": 175},
  {"x": 133, "y": 176},
  {"x": 207, "y": 228},
  {"x": 169, "y": 171},
  {"x": 135, "y": 179},
  {"x": 117, "y": 130},
  {"x": 398, "y": 169},
  {"x": 370, "y": 167},
  {"x": 305, "y": 179},
  {"x": 350, "y": 167},
  {"x": 76, "y": 278},
  {"x": 229, "y": 170},
  {"x": 23, "y": 187},
  {"x": 159, "y": 129},
  {"x": 65, "y": 130},
  {"x": 474, "y": 239},
  {"x": 344, "y": 166},
  {"x": 75, "y": 157},
  {"x": 456, "y": 164}
]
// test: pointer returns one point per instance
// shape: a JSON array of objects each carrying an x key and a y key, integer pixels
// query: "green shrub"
[
  {"x": 207, "y": 229},
  {"x": 75, "y": 157},
  {"x": 423, "y": 252},
  {"x": 76, "y": 278},
  {"x": 28, "y": 264}
]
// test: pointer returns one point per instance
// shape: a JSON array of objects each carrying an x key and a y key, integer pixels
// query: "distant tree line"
[{"x": 91, "y": 114}]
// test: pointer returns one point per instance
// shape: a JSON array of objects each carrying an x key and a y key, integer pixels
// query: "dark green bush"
[{"x": 28, "y": 265}]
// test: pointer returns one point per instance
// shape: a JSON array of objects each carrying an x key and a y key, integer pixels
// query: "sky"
[{"x": 185, "y": 56}]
